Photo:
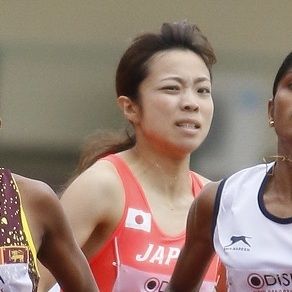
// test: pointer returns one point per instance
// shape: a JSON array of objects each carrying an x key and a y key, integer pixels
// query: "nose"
[
  {"x": 190, "y": 107},
  {"x": 189, "y": 103}
]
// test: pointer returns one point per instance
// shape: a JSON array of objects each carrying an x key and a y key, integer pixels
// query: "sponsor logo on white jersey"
[
  {"x": 138, "y": 219},
  {"x": 281, "y": 282},
  {"x": 238, "y": 243}
]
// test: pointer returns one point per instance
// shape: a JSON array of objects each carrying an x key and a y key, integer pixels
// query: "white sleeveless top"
[{"x": 254, "y": 245}]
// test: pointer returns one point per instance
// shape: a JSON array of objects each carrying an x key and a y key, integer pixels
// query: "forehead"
[
  {"x": 286, "y": 74},
  {"x": 285, "y": 68},
  {"x": 177, "y": 61},
  {"x": 288, "y": 71}
]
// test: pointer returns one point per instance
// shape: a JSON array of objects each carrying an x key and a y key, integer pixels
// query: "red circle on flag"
[{"x": 139, "y": 219}]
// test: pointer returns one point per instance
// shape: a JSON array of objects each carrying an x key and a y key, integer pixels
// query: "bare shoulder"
[
  {"x": 32, "y": 188},
  {"x": 40, "y": 204},
  {"x": 206, "y": 200},
  {"x": 97, "y": 180},
  {"x": 200, "y": 217},
  {"x": 203, "y": 179},
  {"x": 97, "y": 193},
  {"x": 203, "y": 206}
]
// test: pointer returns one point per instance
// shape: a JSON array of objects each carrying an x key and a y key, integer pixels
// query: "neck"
[
  {"x": 168, "y": 174},
  {"x": 281, "y": 180},
  {"x": 162, "y": 162},
  {"x": 282, "y": 158}
]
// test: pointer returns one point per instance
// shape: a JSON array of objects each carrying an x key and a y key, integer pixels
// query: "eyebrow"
[{"x": 181, "y": 80}]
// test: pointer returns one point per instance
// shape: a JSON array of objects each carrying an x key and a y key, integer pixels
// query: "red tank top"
[{"x": 139, "y": 256}]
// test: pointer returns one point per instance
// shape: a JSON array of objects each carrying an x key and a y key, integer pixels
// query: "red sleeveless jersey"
[{"x": 139, "y": 256}]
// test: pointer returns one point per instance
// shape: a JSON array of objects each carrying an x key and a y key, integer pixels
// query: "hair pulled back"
[{"x": 133, "y": 69}]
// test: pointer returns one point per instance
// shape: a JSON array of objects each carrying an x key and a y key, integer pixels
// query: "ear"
[
  {"x": 129, "y": 108},
  {"x": 271, "y": 109}
]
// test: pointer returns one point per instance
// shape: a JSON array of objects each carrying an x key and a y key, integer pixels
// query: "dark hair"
[
  {"x": 286, "y": 65},
  {"x": 133, "y": 69},
  {"x": 100, "y": 144}
]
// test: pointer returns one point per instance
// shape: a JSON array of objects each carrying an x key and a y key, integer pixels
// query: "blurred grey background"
[{"x": 57, "y": 68}]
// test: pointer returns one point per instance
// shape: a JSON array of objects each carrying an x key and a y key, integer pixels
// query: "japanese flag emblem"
[{"x": 138, "y": 219}]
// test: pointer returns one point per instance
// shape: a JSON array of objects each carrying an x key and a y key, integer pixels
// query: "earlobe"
[{"x": 129, "y": 108}]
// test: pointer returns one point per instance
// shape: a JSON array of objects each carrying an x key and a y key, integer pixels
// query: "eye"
[
  {"x": 171, "y": 88},
  {"x": 204, "y": 90}
]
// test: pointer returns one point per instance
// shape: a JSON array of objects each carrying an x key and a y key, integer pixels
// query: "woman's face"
[
  {"x": 280, "y": 108},
  {"x": 176, "y": 106}
]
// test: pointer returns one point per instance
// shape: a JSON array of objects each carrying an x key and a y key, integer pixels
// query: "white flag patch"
[{"x": 138, "y": 219}]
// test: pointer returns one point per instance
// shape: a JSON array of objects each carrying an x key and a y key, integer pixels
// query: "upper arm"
[
  {"x": 197, "y": 253},
  {"x": 55, "y": 244},
  {"x": 59, "y": 251}
]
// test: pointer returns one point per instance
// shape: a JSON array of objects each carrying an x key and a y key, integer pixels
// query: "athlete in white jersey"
[
  {"x": 251, "y": 241},
  {"x": 247, "y": 219}
]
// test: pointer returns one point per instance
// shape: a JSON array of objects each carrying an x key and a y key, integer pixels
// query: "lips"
[{"x": 188, "y": 124}]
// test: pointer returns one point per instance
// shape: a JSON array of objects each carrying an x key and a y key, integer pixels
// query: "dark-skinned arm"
[{"x": 198, "y": 250}]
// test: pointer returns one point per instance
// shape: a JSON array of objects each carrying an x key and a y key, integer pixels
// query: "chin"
[{"x": 187, "y": 149}]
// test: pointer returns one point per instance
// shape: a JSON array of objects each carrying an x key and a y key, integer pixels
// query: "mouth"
[{"x": 188, "y": 125}]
